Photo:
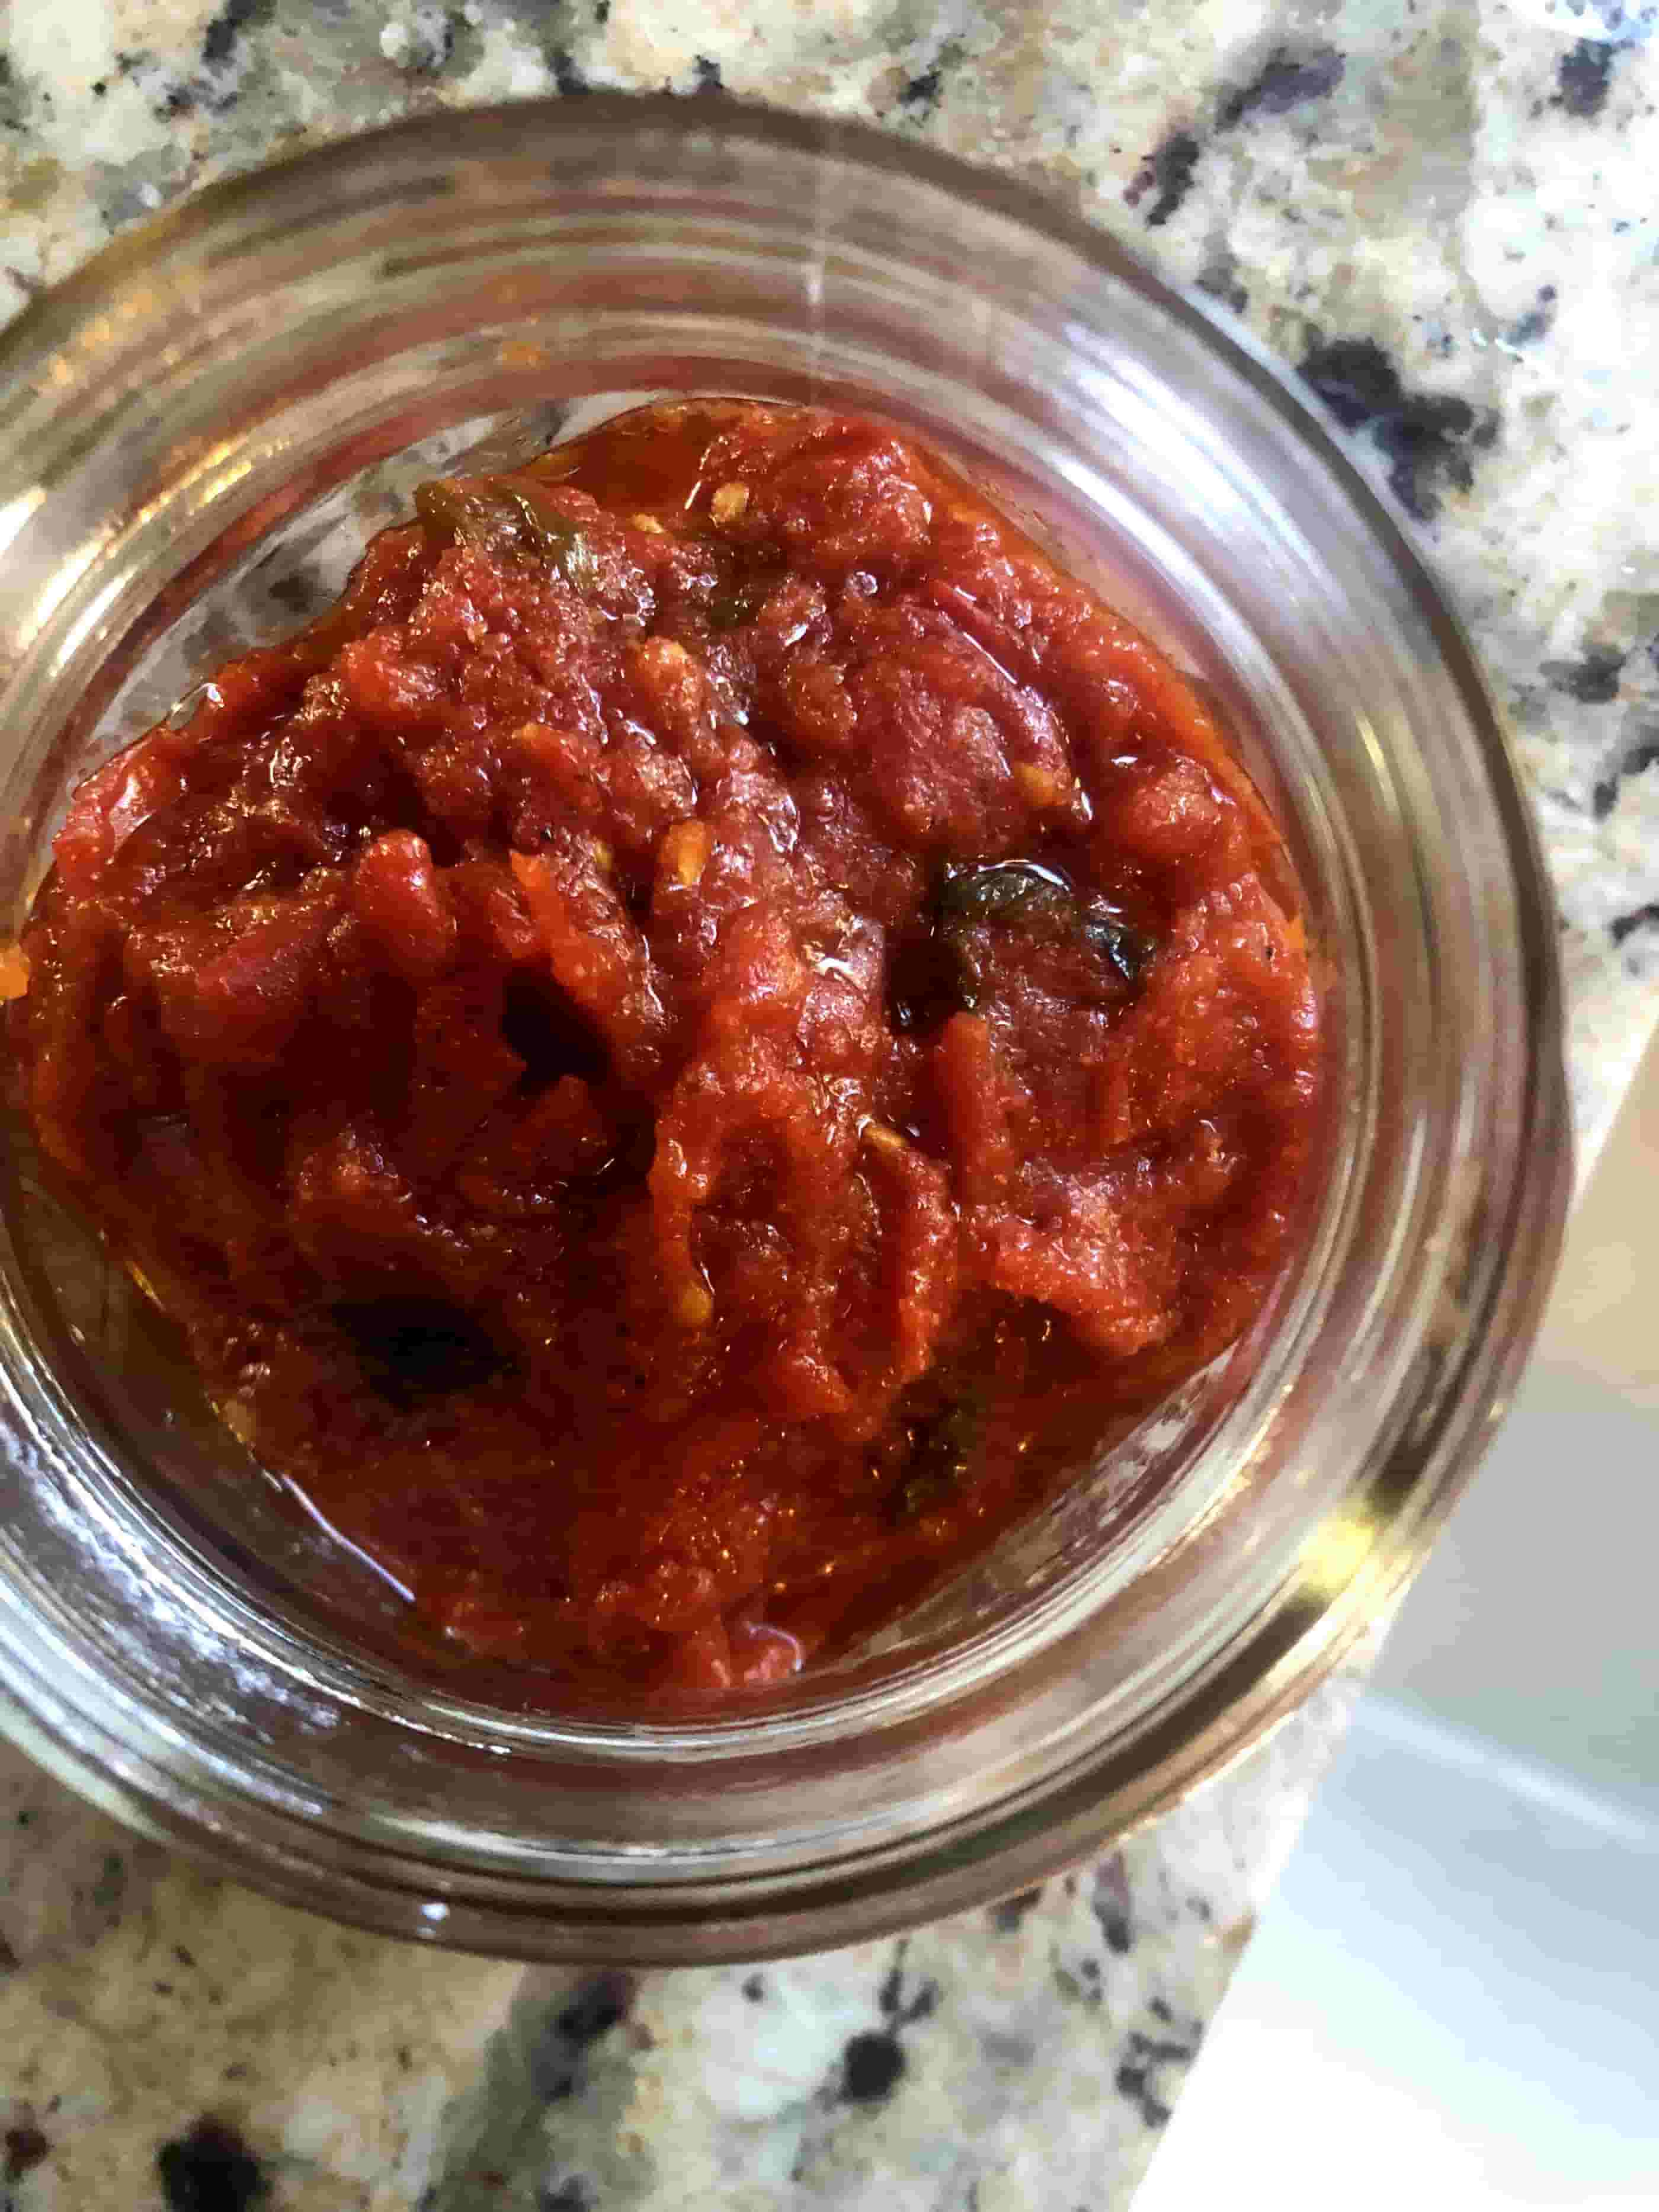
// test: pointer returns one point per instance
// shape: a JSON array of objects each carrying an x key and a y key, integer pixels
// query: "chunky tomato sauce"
[{"x": 684, "y": 1055}]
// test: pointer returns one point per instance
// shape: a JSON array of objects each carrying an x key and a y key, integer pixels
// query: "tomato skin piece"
[{"x": 397, "y": 895}]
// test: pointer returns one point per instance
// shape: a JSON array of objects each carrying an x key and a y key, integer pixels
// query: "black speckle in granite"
[
  {"x": 923, "y": 89},
  {"x": 14, "y": 101},
  {"x": 219, "y": 39},
  {"x": 1158, "y": 2049},
  {"x": 1219, "y": 278},
  {"x": 1133, "y": 2075},
  {"x": 1068, "y": 1984},
  {"x": 1639, "y": 757},
  {"x": 597, "y": 2007},
  {"x": 1110, "y": 1905},
  {"x": 892, "y": 1997},
  {"x": 566, "y": 75},
  {"x": 601, "y": 12},
  {"x": 427, "y": 54},
  {"x": 1160, "y": 2008},
  {"x": 1528, "y": 329},
  {"x": 1582, "y": 75},
  {"x": 1130, "y": 2082},
  {"x": 708, "y": 75},
  {"x": 1426, "y": 436},
  {"x": 1114, "y": 1928},
  {"x": 1011, "y": 1913},
  {"x": 873, "y": 2061},
  {"x": 872, "y": 2064},
  {"x": 573, "y": 2196},
  {"x": 1592, "y": 680},
  {"x": 754, "y": 1989},
  {"x": 217, "y": 89},
  {"x": 1626, "y": 925},
  {"x": 1355, "y": 379},
  {"x": 210, "y": 2169},
  {"x": 8, "y": 1959},
  {"x": 25, "y": 2147},
  {"x": 891, "y": 1992},
  {"x": 1287, "y": 79},
  {"x": 1168, "y": 170}
]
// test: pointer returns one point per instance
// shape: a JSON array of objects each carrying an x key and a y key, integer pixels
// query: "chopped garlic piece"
[
  {"x": 14, "y": 971},
  {"x": 685, "y": 848},
  {"x": 883, "y": 1139},
  {"x": 1040, "y": 786}
]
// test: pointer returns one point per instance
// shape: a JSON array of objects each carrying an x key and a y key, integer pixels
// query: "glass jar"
[{"x": 196, "y": 430}]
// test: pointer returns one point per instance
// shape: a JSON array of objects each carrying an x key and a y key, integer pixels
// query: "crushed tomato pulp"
[{"x": 686, "y": 1053}]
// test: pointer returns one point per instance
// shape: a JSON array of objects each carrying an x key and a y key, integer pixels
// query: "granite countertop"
[{"x": 1442, "y": 212}]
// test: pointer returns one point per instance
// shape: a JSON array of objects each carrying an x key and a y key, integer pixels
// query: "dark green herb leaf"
[
  {"x": 740, "y": 602},
  {"x": 1128, "y": 949},
  {"x": 999, "y": 890},
  {"x": 497, "y": 515},
  {"x": 945, "y": 1457},
  {"x": 1026, "y": 895}
]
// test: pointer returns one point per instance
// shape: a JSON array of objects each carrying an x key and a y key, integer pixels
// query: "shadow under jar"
[{"x": 200, "y": 431}]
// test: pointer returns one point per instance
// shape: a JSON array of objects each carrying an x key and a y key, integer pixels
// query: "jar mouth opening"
[
  {"x": 964, "y": 1637},
  {"x": 1090, "y": 1700}
]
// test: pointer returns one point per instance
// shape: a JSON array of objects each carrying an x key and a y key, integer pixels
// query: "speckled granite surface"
[
  {"x": 1441, "y": 211},
  {"x": 168, "y": 2040}
]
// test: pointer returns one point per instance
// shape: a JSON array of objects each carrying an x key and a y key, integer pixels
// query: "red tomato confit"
[{"x": 684, "y": 1055}]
